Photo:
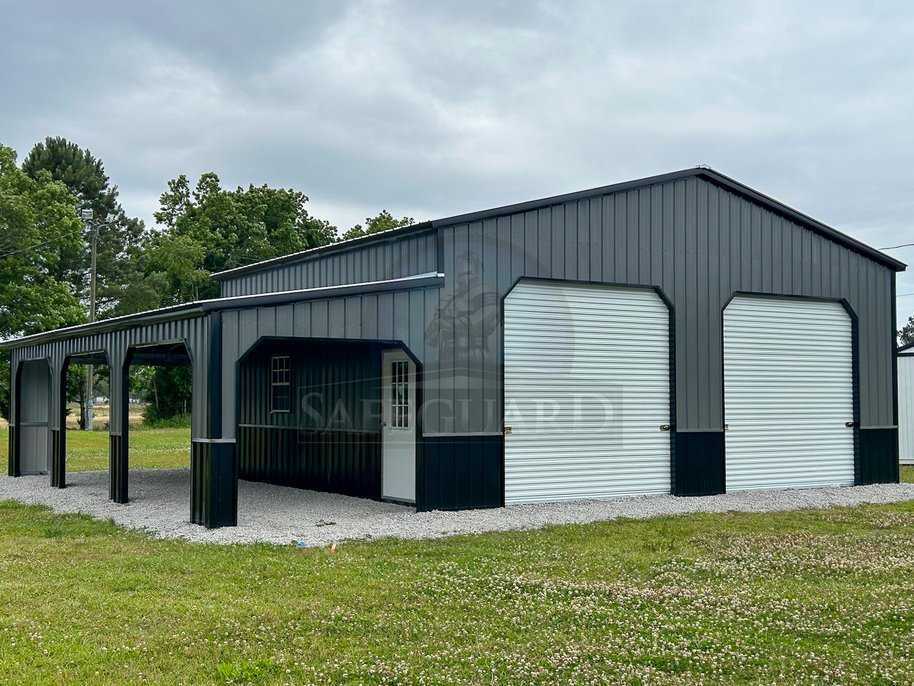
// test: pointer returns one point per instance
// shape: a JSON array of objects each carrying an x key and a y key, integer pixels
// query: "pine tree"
[{"x": 119, "y": 240}]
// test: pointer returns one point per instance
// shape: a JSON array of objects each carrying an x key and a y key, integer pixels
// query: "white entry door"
[{"x": 398, "y": 427}]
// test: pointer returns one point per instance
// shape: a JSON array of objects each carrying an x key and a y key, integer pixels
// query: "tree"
[
  {"x": 119, "y": 241},
  {"x": 38, "y": 227},
  {"x": 206, "y": 229},
  {"x": 85, "y": 177},
  {"x": 906, "y": 332},
  {"x": 209, "y": 229},
  {"x": 382, "y": 222}
]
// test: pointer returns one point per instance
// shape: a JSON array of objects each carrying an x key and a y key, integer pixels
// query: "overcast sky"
[{"x": 433, "y": 108}]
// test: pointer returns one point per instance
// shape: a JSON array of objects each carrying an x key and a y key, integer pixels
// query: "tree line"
[{"x": 200, "y": 228}]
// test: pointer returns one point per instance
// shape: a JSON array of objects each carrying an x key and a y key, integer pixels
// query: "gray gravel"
[{"x": 274, "y": 514}]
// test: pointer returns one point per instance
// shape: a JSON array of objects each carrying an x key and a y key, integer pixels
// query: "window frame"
[
  {"x": 280, "y": 378},
  {"x": 399, "y": 395}
]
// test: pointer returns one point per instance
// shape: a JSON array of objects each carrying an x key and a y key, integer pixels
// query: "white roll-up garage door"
[
  {"x": 788, "y": 392},
  {"x": 906, "y": 408},
  {"x": 587, "y": 388}
]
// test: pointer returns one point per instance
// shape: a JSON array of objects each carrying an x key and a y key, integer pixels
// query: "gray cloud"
[{"x": 430, "y": 109}]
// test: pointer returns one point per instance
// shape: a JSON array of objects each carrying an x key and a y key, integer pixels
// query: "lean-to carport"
[
  {"x": 172, "y": 335},
  {"x": 191, "y": 333}
]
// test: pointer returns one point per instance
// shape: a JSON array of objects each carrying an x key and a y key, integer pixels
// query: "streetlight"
[{"x": 87, "y": 214}]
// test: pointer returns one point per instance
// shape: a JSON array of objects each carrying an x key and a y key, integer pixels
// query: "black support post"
[
  {"x": 59, "y": 435},
  {"x": 11, "y": 461},
  {"x": 213, "y": 461},
  {"x": 118, "y": 456},
  {"x": 117, "y": 469},
  {"x": 214, "y": 487},
  {"x": 58, "y": 457}
]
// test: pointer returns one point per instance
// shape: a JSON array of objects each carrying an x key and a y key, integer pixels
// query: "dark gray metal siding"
[
  {"x": 696, "y": 241},
  {"x": 399, "y": 316},
  {"x": 194, "y": 332},
  {"x": 332, "y": 445},
  {"x": 398, "y": 257}
]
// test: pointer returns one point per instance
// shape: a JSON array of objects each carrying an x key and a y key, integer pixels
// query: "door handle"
[
  {"x": 666, "y": 427},
  {"x": 850, "y": 425}
]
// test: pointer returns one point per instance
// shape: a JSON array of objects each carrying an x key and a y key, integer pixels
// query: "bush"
[{"x": 151, "y": 420}]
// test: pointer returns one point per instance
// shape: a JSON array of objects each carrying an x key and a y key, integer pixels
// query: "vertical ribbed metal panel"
[
  {"x": 788, "y": 388},
  {"x": 405, "y": 256},
  {"x": 330, "y": 441},
  {"x": 697, "y": 241},
  {"x": 587, "y": 387},
  {"x": 906, "y": 409},
  {"x": 403, "y": 316},
  {"x": 34, "y": 418}
]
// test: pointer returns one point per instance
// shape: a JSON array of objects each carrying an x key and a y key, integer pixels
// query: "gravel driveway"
[{"x": 274, "y": 514}]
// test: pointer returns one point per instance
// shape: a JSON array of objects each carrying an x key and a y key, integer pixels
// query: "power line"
[
  {"x": 31, "y": 247},
  {"x": 895, "y": 247}
]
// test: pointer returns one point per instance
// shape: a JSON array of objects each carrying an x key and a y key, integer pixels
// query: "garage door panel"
[
  {"x": 788, "y": 391},
  {"x": 586, "y": 387}
]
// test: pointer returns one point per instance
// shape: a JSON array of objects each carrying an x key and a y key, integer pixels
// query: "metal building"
[
  {"x": 681, "y": 333},
  {"x": 906, "y": 404}
]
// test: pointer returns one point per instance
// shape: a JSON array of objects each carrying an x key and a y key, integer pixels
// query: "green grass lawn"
[
  {"x": 907, "y": 474},
  {"x": 796, "y": 598},
  {"x": 149, "y": 448}
]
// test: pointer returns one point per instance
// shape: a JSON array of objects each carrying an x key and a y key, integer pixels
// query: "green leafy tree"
[
  {"x": 382, "y": 222},
  {"x": 906, "y": 332},
  {"x": 38, "y": 226},
  {"x": 168, "y": 391},
  {"x": 207, "y": 228}
]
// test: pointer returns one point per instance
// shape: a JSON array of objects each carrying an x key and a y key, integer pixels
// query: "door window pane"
[{"x": 399, "y": 394}]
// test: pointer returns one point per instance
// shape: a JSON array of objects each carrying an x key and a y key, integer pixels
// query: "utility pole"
[{"x": 87, "y": 216}]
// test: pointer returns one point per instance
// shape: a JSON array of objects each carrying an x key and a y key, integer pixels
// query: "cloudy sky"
[{"x": 434, "y": 108}]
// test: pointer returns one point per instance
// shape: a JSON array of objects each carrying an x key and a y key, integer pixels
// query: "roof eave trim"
[
  {"x": 426, "y": 280},
  {"x": 203, "y": 307},
  {"x": 803, "y": 219},
  {"x": 302, "y": 255},
  {"x": 173, "y": 313}
]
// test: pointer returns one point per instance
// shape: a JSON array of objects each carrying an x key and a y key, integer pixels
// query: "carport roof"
[
  {"x": 203, "y": 307},
  {"x": 701, "y": 171}
]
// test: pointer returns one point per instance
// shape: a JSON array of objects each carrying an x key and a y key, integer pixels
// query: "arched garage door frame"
[
  {"x": 59, "y": 452},
  {"x": 669, "y": 427},
  {"x": 855, "y": 363}
]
